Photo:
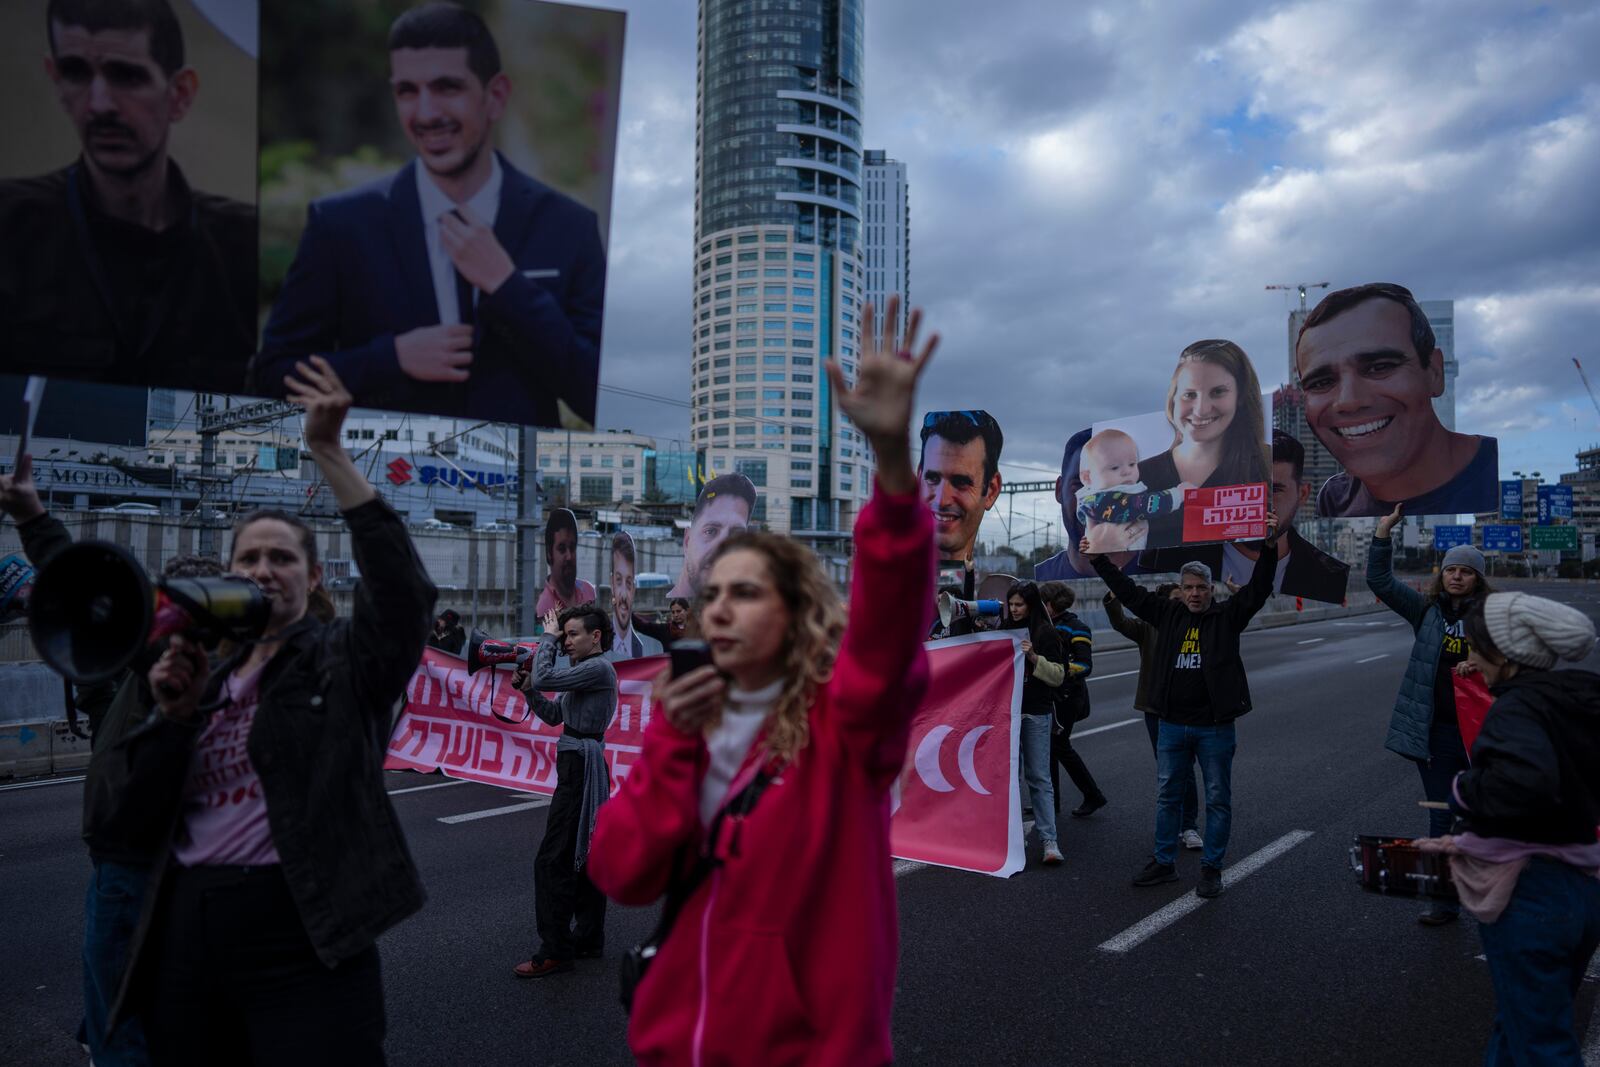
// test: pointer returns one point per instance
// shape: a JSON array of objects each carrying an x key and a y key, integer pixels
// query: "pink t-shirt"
[{"x": 224, "y": 810}]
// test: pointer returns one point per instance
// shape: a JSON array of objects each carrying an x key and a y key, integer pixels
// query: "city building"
[
  {"x": 779, "y": 265},
  {"x": 611, "y": 466},
  {"x": 1442, "y": 317},
  {"x": 886, "y": 231}
]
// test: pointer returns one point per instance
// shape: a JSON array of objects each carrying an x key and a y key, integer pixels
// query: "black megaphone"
[{"x": 93, "y": 609}]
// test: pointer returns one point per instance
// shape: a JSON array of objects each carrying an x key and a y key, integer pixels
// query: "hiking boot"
[
  {"x": 541, "y": 967},
  {"x": 1210, "y": 882},
  {"x": 1089, "y": 806},
  {"x": 1156, "y": 873},
  {"x": 1052, "y": 854},
  {"x": 1192, "y": 839}
]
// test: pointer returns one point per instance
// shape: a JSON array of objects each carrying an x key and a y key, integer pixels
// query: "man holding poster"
[
  {"x": 458, "y": 285},
  {"x": 1198, "y": 689},
  {"x": 1370, "y": 367}
]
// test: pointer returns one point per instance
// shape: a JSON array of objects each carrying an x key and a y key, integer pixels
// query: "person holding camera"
[
  {"x": 760, "y": 802},
  {"x": 569, "y": 911},
  {"x": 262, "y": 775}
]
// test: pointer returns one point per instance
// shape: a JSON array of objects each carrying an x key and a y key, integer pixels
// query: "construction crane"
[
  {"x": 1301, "y": 288},
  {"x": 1592, "y": 398}
]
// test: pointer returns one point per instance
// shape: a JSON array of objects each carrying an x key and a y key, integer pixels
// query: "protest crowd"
[
  {"x": 245, "y": 855},
  {"x": 780, "y": 707}
]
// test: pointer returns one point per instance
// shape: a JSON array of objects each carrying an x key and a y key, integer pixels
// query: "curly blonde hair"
[{"x": 816, "y": 624}]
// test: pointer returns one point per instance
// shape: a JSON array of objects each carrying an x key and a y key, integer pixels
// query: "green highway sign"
[{"x": 1564, "y": 538}]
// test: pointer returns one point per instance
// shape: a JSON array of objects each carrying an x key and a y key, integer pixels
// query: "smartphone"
[{"x": 687, "y": 655}]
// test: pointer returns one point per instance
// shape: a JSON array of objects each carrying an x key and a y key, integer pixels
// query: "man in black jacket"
[
  {"x": 1197, "y": 697},
  {"x": 114, "y": 268}
]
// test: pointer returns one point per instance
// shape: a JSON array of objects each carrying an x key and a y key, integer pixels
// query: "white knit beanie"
[{"x": 1535, "y": 632}]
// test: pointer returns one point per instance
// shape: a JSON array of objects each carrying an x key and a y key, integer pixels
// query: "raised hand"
[
  {"x": 19, "y": 497},
  {"x": 316, "y": 387},
  {"x": 884, "y": 396},
  {"x": 552, "y": 622},
  {"x": 1387, "y": 524}
]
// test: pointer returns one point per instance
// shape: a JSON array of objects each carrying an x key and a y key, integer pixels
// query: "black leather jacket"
[{"x": 328, "y": 702}]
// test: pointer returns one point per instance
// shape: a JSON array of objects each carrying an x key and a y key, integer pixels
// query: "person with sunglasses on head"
[{"x": 769, "y": 771}]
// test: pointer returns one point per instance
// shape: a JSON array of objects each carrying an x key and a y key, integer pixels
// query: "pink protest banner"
[
  {"x": 956, "y": 803},
  {"x": 1225, "y": 512}
]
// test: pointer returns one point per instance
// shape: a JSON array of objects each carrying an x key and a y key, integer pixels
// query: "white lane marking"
[
  {"x": 1107, "y": 726},
  {"x": 1402, "y": 622},
  {"x": 1369, "y": 659},
  {"x": 1153, "y": 924},
  {"x": 1311, "y": 641},
  {"x": 420, "y": 788},
  {"x": 1107, "y": 677},
  {"x": 473, "y": 816},
  {"x": 41, "y": 785}
]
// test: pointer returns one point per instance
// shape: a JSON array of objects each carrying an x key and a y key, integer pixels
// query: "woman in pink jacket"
[{"x": 785, "y": 952}]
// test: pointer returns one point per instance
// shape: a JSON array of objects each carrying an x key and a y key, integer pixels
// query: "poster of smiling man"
[
  {"x": 436, "y": 189},
  {"x": 1369, "y": 369},
  {"x": 959, "y": 469}
]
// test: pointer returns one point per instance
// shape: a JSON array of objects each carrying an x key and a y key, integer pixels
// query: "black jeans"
[
  {"x": 1062, "y": 754},
  {"x": 563, "y": 896},
  {"x": 1189, "y": 810},
  {"x": 237, "y": 981}
]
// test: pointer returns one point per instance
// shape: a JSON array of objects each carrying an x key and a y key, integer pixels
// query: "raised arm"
[
  {"x": 882, "y": 669},
  {"x": 592, "y": 673},
  {"x": 394, "y": 603},
  {"x": 1141, "y": 602},
  {"x": 544, "y": 662},
  {"x": 1258, "y": 590},
  {"x": 42, "y": 534},
  {"x": 1400, "y": 598}
]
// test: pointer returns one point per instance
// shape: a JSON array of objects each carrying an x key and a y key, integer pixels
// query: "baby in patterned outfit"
[{"x": 1112, "y": 492}]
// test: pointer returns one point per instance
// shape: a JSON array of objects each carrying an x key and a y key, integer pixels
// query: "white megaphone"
[{"x": 951, "y": 609}]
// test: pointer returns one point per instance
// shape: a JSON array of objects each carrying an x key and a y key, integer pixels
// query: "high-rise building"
[
  {"x": 886, "y": 231},
  {"x": 1289, "y": 416},
  {"x": 779, "y": 272},
  {"x": 1442, "y": 317}
]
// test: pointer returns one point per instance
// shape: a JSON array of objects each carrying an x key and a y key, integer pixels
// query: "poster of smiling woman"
[
  {"x": 435, "y": 197},
  {"x": 1369, "y": 369}
]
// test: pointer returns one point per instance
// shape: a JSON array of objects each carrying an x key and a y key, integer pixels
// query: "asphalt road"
[{"x": 1293, "y": 964}]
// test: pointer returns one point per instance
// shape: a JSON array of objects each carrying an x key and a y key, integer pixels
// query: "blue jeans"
[
  {"x": 1448, "y": 757},
  {"x": 1036, "y": 759},
  {"x": 1176, "y": 748},
  {"x": 110, "y": 915},
  {"x": 1191, "y": 792},
  {"x": 1537, "y": 951}
]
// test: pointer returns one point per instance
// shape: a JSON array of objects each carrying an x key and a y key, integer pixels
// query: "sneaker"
[
  {"x": 1052, "y": 854},
  {"x": 1155, "y": 873},
  {"x": 1437, "y": 915},
  {"x": 1089, "y": 806},
  {"x": 541, "y": 967},
  {"x": 1192, "y": 839},
  {"x": 1210, "y": 882}
]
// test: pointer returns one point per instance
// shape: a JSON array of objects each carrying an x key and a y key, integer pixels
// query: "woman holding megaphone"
[
  {"x": 760, "y": 802},
  {"x": 286, "y": 859}
]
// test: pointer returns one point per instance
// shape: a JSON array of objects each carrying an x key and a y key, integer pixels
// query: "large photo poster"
[
  {"x": 128, "y": 191},
  {"x": 1369, "y": 369},
  {"x": 435, "y": 190}
]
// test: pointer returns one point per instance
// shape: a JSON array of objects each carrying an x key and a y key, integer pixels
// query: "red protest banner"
[
  {"x": 956, "y": 803},
  {"x": 1225, "y": 512}
]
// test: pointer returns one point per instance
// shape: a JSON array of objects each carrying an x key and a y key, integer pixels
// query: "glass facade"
[{"x": 780, "y": 117}]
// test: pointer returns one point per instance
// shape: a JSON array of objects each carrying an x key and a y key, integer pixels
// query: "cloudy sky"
[{"x": 1093, "y": 188}]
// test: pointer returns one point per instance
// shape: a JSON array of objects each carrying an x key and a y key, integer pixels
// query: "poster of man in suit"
[{"x": 438, "y": 179}]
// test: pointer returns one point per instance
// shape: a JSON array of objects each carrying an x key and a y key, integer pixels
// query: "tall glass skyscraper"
[{"x": 779, "y": 269}]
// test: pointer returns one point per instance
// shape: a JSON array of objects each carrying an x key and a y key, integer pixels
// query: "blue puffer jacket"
[{"x": 1413, "y": 708}]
